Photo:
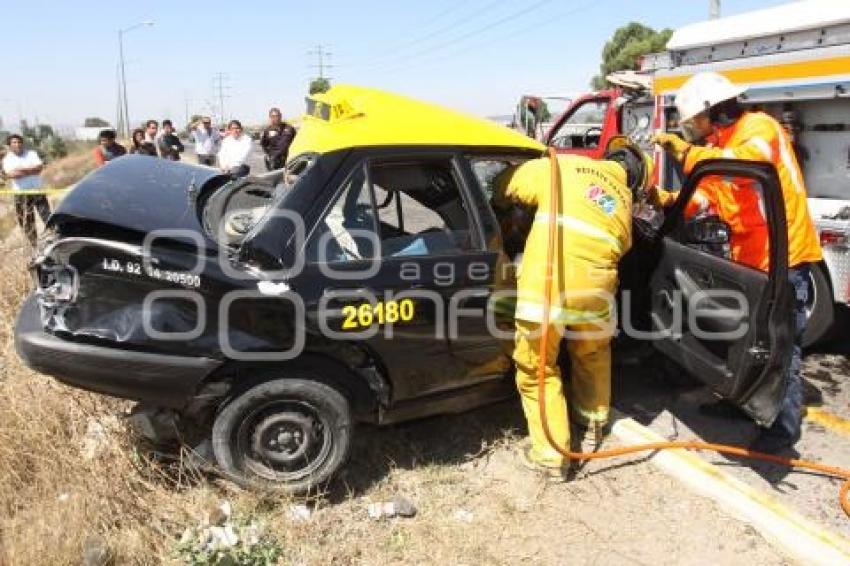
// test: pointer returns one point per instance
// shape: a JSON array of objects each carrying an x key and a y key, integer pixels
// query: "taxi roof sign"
[{"x": 349, "y": 116}]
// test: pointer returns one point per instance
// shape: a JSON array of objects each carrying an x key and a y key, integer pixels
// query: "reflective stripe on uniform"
[
  {"x": 759, "y": 143},
  {"x": 785, "y": 154},
  {"x": 587, "y": 417},
  {"x": 581, "y": 227},
  {"x": 702, "y": 201},
  {"x": 533, "y": 312},
  {"x": 763, "y": 147}
]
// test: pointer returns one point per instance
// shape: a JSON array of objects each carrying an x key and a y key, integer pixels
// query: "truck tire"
[
  {"x": 285, "y": 435},
  {"x": 821, "y": 308}
]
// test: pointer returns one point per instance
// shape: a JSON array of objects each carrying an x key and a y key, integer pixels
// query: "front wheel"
[
  {"x": 820, "y": 308},
  {"x": 288, "y": 435}
]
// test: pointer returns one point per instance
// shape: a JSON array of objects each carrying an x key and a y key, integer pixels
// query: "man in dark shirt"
[
  {"x": 107, "y": 148},
  {"x": 276, "y": 139},
  {"x": 170, "y": 145}
]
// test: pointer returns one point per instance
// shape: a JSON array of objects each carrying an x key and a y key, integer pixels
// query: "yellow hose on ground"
[{"x": 555, "y": 188}]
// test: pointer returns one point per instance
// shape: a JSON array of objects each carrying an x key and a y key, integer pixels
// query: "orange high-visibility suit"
[
  {"x": 740, "y": 206},
  {"x": 757, "y": 136},
  {"x": 594, "y": 230}
]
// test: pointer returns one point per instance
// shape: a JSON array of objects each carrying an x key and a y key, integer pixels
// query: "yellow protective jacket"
[
  {"x": 758, "y": 137},
  {"x": 594, "y": 231}
]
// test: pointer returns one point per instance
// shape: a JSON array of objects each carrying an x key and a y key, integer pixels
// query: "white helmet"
[{"x": 702, "y": 91}]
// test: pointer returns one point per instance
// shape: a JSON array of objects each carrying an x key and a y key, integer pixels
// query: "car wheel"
[
  {"x": 287, "y": 435},
  {"x": 820, "y": 309}
]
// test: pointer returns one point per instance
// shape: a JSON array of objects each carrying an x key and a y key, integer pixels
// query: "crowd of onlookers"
[{"x": 227, "y": 150}]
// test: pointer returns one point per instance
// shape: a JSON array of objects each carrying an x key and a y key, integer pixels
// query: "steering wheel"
[{"x": 585, "y": 138}]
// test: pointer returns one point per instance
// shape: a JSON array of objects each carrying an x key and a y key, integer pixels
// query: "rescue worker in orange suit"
[
  {"x": 740, "y": 207},
  {"x": 594, "y": 230},
  {"x": 710, "y": 113}
]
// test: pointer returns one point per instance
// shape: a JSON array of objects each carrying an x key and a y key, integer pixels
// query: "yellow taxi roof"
[{"x": 350, "y": 116}]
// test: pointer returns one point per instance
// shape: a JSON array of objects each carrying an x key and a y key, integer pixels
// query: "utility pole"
[
  {"x": 713, "y": 9},
  {"x": 219, "y": 88},
  {"x": 321, "y": 65},
  {"x": 123, "y": 93},
  {"x": 119, "y": 121},
  {"x": 186, "y": 100}
]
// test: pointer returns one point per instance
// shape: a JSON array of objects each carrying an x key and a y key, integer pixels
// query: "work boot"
[
  {"x": 593, "y": 435},
  {"x": 551, "y": 473},
  {"x": 770, "y": 443}
]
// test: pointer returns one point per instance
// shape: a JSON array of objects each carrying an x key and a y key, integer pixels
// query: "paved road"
[{"x": 672, "y": 411}]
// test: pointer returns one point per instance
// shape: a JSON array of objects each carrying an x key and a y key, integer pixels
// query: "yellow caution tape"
[{"x": 40, "y": 192}]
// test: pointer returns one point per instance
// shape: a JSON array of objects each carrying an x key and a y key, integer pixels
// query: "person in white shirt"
[
  {"x": 235, "y": 149},
  {"x": 207, "y": 141},
  {"x": 23, "y": 168}
]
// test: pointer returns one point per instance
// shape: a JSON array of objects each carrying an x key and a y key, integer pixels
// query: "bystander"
[
  {"x": 235, "y": 149},
  {"x": 276, "y": 139},
  {"x": 207, "y": 141},
  {"x": 170, "y": 146},
  {"x": 107, "y": 148},
  {"x": 23, "y": 167}
]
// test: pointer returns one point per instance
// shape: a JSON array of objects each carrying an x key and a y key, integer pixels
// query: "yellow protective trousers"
[{"x": 590, "y": 363}]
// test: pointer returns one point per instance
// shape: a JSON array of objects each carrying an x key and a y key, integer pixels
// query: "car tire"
[
  {"x": 821, "y": 310},
  {"x": 285, "y": 435}
]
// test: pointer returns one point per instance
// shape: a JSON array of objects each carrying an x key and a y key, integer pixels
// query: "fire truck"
[{"x": 794, "y": 60}]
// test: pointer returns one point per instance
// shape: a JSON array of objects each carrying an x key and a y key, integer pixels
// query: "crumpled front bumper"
[{"x": 160, "y": 379}]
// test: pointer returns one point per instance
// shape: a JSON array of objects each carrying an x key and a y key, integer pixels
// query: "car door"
[
  {"x": 583, "y": 128},
  {"x": 396, "y": 243},
  {"x": 727, "y": 324}
]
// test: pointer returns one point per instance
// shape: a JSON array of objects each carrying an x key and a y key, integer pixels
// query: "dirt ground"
[
  {"x": 478, "y": 505},
  {"x": 475, "y": 503}
]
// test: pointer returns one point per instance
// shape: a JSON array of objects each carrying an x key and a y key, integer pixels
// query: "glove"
[{"x": 673, "y": 142}]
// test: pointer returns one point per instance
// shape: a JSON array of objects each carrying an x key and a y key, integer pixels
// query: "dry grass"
[
  {"x": 69, "y": 170},
  {"x": 55, "y": 490}
]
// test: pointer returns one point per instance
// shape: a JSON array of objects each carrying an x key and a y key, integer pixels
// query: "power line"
[
  {"x": 452, "y": 26},
  {"x": 392, "y": 53},
  {"x": 453, "y": 6},
  {"x": 521, "y": 31},
  {"x": 477, "y": 31}
]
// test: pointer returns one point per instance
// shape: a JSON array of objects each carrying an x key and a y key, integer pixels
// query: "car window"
[
  {"x": 583, "y": 127},
  {"x": 347, "y": 231},
  {"x": 726, "y": 217},
  {"x": 487, "y": 171},
  {"x": 420, "y": 208}
]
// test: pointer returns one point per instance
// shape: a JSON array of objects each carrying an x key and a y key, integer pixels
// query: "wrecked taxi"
[{"x": 274, "y": 312}]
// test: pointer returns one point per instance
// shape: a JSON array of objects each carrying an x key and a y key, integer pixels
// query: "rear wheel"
[
  {"x": 820, "y": 307},
  {"x": 287, "y": 435}
]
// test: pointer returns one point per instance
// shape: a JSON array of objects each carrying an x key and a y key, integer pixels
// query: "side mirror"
[{"x": 710, "y": 230}]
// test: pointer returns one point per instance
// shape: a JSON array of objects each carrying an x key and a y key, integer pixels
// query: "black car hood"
[{"x": 138, "y": 193}]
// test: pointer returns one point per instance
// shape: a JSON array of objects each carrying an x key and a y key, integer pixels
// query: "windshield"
[{"x": 230, "y": 211}]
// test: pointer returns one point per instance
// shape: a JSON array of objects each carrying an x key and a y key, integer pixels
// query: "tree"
[
  {"x": 320, "y": 84},
  {"x": 628, "y": 44},
  {"x": 95, "y": 122}
]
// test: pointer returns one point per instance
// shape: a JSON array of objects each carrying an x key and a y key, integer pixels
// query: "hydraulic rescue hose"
[{"x": 555, "y": 188}]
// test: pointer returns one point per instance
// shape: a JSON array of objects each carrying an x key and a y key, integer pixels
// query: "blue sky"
[{"x": 478, "y": 56}]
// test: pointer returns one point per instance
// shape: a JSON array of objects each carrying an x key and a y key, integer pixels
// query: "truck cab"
[{"x": 795, "y": 61}]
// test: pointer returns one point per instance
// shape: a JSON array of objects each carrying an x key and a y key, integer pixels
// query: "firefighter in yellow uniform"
[{"x": 594, "y": 230}]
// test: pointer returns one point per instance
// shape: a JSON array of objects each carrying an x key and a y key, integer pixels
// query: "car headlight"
[{"x": 56, "y": 284}]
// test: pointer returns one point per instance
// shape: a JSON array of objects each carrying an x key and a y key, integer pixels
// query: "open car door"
[{"x": 729, "y": 325}]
